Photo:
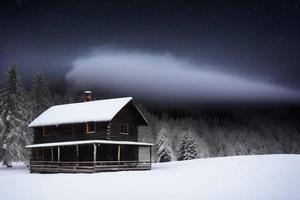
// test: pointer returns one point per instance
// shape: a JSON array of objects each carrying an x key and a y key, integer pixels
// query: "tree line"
[{"x": 213, "y": 136}]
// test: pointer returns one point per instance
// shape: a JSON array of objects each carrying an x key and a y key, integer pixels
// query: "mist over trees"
[{"x": 174, "y": 138}]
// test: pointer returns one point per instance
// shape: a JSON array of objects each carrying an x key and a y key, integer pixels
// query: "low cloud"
[{"x": 163, "y": 77}]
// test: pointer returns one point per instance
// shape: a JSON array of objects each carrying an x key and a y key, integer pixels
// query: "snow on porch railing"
[{"x": 86, "y": 166}]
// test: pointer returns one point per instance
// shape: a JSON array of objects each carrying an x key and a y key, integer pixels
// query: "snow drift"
[{"x": 268, "y": 177}]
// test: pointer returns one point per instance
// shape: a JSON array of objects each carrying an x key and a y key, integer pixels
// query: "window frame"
[
  {"x": 87, "y": 124},
  {"x": 127, "y": 128},
  {"x": 45, "y": 131}
]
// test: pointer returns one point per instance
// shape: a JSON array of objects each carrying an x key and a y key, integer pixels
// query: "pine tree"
[
  {"x": 188, "y": 149},
  {"x": 164, "y": 150},
  {"x": 39, "y": 96},
  {"x": 14, "y": 131},
  {"x": 1, "y": 139}
]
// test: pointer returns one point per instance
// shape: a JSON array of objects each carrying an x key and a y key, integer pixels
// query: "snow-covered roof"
[
  {"x": 88, "y": 142},
  {"x": 91, "y": 111}
]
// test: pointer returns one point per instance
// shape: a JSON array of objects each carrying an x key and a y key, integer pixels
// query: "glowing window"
[{"x": 90, "y": 127}]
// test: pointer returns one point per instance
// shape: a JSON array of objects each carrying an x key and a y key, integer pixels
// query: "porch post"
[
  {"x": 95, "y": 153},
  {"x": 119, "y": 152},
  {"x": 58, "y": 156},
  {"x": 51, "y": 154},
  {"x": 58, "y": 153},
  {"x": 77, "y": 154},
  {"x": 150, "y": 154}
]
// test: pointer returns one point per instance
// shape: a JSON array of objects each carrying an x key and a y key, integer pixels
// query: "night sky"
[{"x": 184, "y": 50}]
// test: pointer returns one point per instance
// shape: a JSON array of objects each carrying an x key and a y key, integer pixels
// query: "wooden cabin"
[{"x": 90, "y": 136}]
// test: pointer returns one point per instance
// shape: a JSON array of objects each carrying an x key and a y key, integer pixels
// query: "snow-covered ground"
[{"x": 240, "y": 177}]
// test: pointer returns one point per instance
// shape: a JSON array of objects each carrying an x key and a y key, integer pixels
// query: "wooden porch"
[{"x": 90, "y": 156}]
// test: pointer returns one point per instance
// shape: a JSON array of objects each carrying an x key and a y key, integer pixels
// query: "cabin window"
[
  {"x": 90, "y": 127},
  {"x": 40, "y": 154},
  {"x": 124, "y": 129},
  {"x": 45, "y": 131}
]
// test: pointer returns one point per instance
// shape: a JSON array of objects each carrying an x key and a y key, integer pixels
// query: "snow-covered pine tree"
[
  {"x": 14, "y": 131},
  {"x": 188, "y": 149},
  {"x": 164, "y": 149},
  {"x": 2, "y": 129},
  {"x": 39, "y": 96}
]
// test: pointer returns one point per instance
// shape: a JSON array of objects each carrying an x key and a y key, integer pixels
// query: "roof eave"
[
  {"x": 34, "y": 126},
  {"x": 70, "y": 143}
]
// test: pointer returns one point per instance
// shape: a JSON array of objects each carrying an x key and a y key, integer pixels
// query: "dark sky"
[{"x": 255, "y": 40}]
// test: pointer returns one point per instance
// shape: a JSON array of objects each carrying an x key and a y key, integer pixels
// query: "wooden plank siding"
[
  {"x": 129, "y": 116},
  {"x": 103, "y": 130}
]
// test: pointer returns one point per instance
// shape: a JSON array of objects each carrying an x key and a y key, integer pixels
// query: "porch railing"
[{"x": 87, "y": 166}]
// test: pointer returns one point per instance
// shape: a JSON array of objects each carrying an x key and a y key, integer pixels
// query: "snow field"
[{"x": 238, "y": 177}]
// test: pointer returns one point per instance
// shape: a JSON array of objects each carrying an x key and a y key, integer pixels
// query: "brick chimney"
[{"x": 87, "y": 96}]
